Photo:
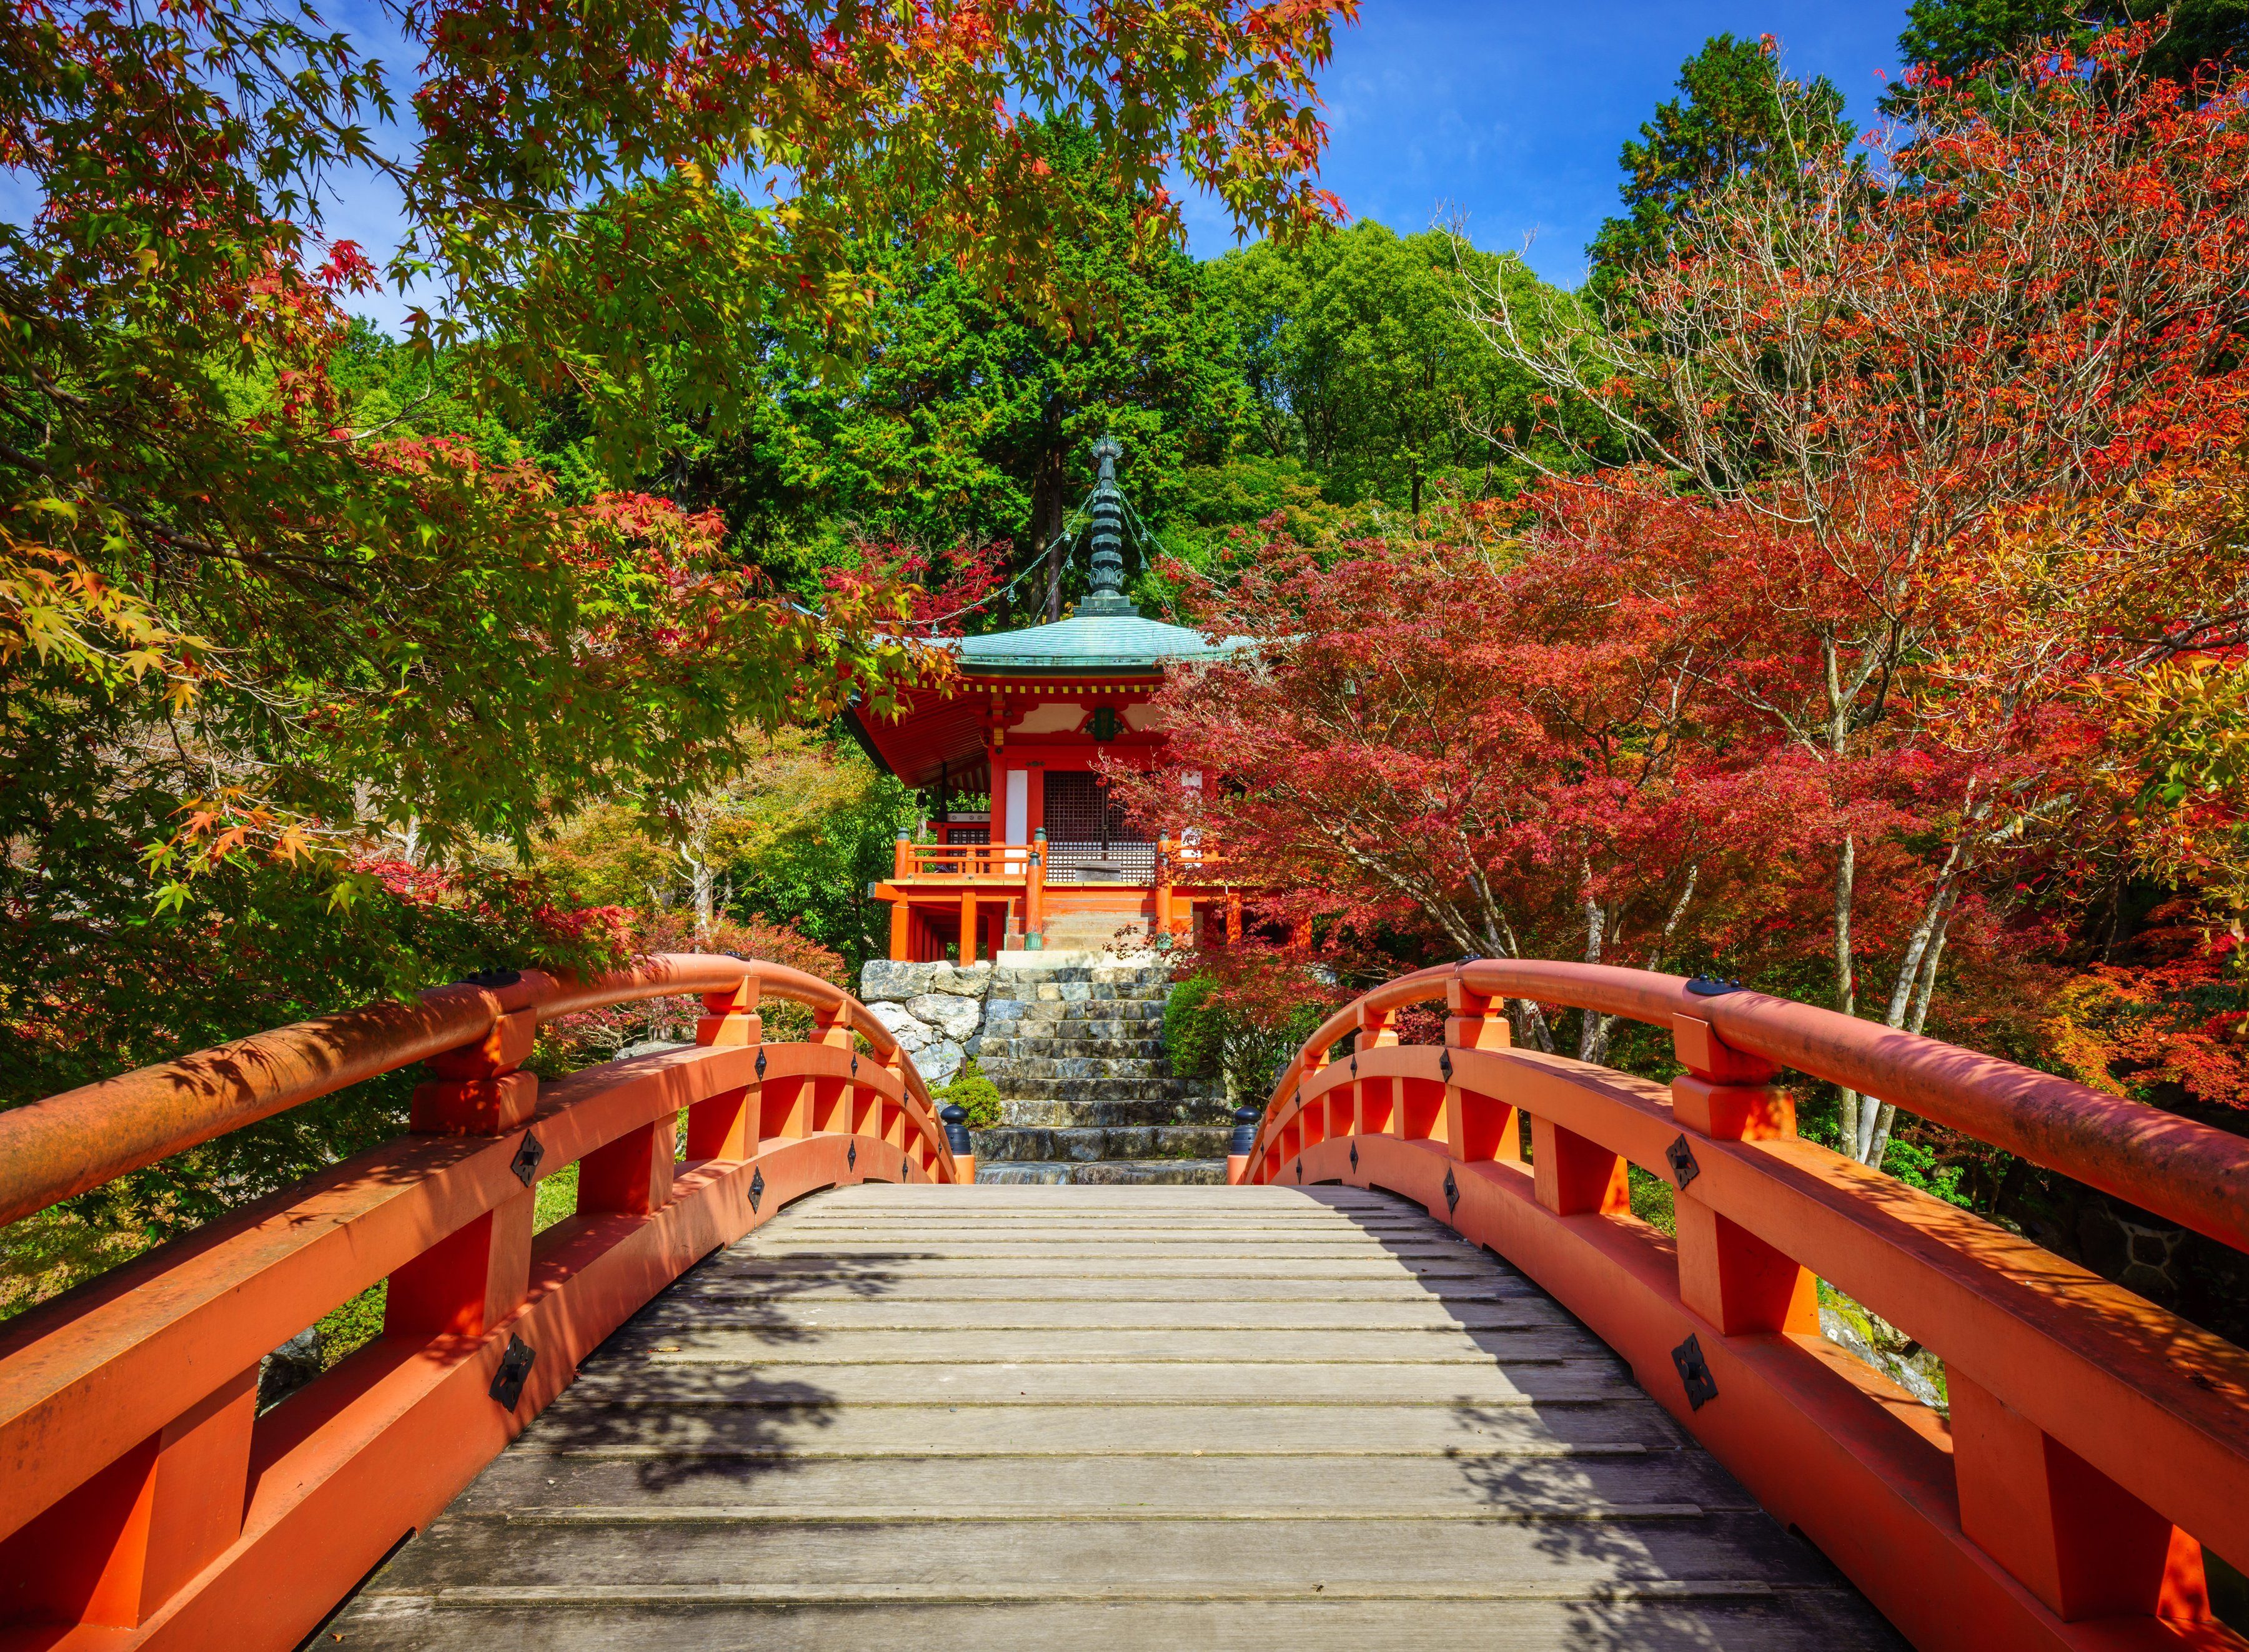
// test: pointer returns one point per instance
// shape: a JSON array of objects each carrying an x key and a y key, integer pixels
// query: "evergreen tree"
[
  {"x": 1360, "y": 360},
  {"x": 1739, "y": 112}
]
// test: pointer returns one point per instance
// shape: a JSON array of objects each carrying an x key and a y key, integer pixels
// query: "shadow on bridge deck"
[{"x": 1023, "y": 1416}]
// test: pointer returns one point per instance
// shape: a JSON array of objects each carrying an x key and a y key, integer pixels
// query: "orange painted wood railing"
[
  {"x": 2095, "y": 1442},
  {"x": 144, "y": 1501},
  {"x": 965, "y": 862}
]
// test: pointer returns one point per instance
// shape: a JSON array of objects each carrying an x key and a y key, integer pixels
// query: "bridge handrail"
[
  {"x": 67, "y": 1144},
  {"x": 2171, "y": 1167},
  {"x": 150, "y": 1501},
  {"x": 2094, "y": 1440}
]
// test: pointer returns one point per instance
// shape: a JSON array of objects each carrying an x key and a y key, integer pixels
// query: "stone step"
[
  {"x": 1074, "y": 1009},
  {"x": 1082, "y": 1145},
  {"x": 1081, "y": 993},
  {"x": 1065, "y": 1048},
  {"x": 1135, "y": 1027},
  {"x": 1209, "y": 1110},
  {"x": 1103, "y": 974},
  {"x": 1102, "y": 1090},
  {"x": 1107, "y": 1172},
  {"x": 1001, "y": 1068}
]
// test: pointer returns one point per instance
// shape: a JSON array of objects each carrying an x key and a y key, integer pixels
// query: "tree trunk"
[
  {"x": 1592, "y": 1027},
  {"x": 1846, "y": 981},
  {"x": 1050, "y": 513}
]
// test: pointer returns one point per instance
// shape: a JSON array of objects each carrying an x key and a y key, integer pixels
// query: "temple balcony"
[{"x": 981, "y": 899}]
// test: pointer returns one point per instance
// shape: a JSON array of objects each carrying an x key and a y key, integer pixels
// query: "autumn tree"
[
  {"x": 2045, "y": 309},
  {"x": 1958, "y": 40},
  {"x": 1505, "y": 743}
]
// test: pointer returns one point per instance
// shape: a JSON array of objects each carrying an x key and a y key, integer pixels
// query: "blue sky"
[{"x": 1513, "y": 113}]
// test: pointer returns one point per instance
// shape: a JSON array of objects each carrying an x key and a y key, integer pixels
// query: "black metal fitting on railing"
[
  {"x": 1245, "y": 1131},
  {"x": 956, "y": 1127}
]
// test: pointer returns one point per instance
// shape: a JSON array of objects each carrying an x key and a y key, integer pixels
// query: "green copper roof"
[{"x": 1091, "y": 643}]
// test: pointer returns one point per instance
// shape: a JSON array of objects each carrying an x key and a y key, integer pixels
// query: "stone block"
[
  {"x": 887, "y": 979},
  {"x": 955, "y": 1018},
  {"x": 940, "y": 1062},
  {"x": 1050, "y": 992},
  {"x": 912, "y": 1034},
  {"x": 1071, "y": 991},
  {"x": 972, "y": 982}
]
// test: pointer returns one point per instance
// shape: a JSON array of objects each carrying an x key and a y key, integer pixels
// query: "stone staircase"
[{"x": 1076, "y": 1050}]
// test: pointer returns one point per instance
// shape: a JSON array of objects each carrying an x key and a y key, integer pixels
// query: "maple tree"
[
  {"x": 198, "y": 530},
  {"x": 1506, "y": 741},
  {"x": 2033, "y": 298}
]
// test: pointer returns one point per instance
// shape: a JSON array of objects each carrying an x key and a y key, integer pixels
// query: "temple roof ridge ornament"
[
  {"x": 1107, "y": 632},
  {"x": 1107, "y": 596}
]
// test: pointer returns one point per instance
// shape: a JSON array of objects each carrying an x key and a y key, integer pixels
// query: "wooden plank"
[
  {"x": 1570, "y": 1382},
  {"x": 796, "y": 1315},
  {"x": 1079, "y": 1482},
  {"x": 1440, "y": 1431},
  {"x": 1046, "y": 1560},
  {"x": 1058, "y": 1346},
  {"x": 901, "y": 1269},
  {"x": 1644, "y": 1620},
  {"x": 1075, "y": 1286}
]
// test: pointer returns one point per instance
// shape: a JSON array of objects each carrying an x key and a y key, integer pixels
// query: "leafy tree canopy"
[
  {"x": 1957, "y": 39},
  {"x": 971, "y": 418},
  {"x": 1360, "y": 364}
]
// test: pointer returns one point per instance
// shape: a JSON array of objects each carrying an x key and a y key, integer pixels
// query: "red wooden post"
[
  {"x": 2083, "y": 1545},
  {"x": 1163, "y": 885},
  {"x": 1727, "y": 1274},
  {"x": 467, "y": 1282},
  {"x": 903, "y": 866},
  {"x": 1574, "y": 1175},
  {"x": 1234, "y": 917},
  {"x": 479, "y": 1090},
  {"x": 1477, "y": 1126},
  {"x": 731, "y": 1018},
  {"x": 968, "y": 925},
  {"x": 632, "y": 1175},
  {"x": 1034, "y": 892},
  {"x": 115, "y": 1550}
]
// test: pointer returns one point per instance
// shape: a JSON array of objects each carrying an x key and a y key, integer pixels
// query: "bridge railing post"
[
  {"x": 477, "y": 1275},
  {"x": 1478, "y": 1126},
  {"x": 1726, "y": 1273},
  {"x": 2083, "y": 1545},
  {"x": 115, "y": 1550}
]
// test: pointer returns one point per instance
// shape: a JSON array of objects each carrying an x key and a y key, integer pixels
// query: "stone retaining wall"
[{"x": 935, "y": 1010}]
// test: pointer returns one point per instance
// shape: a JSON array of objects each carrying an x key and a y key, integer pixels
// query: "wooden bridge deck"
[{"x": 1175, "y": 1416}]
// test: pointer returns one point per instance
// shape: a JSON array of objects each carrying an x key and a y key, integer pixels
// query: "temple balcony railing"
[{"x": 1025, "y": 880}]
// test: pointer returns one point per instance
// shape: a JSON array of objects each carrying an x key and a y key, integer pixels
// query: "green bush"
[
  {"x": 1194, "y": 1029},
  {"x": 1208, "y": 1034},
  {"x": 976, "y": 1095}
]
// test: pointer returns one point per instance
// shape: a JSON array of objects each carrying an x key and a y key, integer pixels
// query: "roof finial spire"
[{"x": 1107, "y": 595}]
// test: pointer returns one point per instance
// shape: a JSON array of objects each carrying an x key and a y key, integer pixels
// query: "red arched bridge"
[{"x": 1411, "y": 1377}]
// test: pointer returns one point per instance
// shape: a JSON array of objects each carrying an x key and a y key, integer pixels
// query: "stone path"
[{"x": 1060, "y": 1416}]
